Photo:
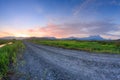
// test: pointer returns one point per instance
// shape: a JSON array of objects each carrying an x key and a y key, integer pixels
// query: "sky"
[{"x": 60, "y": 18}]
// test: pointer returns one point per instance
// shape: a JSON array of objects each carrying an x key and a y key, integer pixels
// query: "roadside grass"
[
  {"x": 8, "y": 56},
  {"x": 91, "y": 46}
]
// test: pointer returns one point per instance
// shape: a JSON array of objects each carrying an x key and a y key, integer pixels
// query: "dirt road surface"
[{"x": 49, "y": 63}]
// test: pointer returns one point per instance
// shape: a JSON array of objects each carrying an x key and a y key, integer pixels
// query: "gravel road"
[{"x": 49, "y": 63}]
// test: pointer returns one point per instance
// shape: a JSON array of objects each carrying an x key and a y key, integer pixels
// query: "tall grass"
[
  {"x": 91, "y": 46},
  {"x": 8, "y": 55}
]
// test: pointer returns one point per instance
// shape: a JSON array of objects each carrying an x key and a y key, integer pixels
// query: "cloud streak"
[{"x": 82, "y": 6}]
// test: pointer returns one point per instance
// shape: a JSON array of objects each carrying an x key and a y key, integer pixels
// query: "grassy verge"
[
  {"x": 91, "y": 46},
  {"x": 8, "y": 55}
]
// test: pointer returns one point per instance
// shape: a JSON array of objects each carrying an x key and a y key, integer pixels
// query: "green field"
[
  {"x": 8, "y": 56},
  {"x": 91, "y": 46}
]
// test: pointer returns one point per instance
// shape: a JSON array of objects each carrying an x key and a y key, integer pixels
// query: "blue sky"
[{"x": 60, "y": 18}]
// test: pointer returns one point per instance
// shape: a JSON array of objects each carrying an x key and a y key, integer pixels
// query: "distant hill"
[
  {"x": 96, "y": 37},
  {"x": 8, "y": 37},
  {"x": 50, "y": 38},
  {"x": 117, "y": 40},
  {"x": 12, "y": 37},
  {"x": 20, "y": 38}
]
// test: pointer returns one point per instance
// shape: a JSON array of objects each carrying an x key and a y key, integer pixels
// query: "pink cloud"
[
  {"x": 56, "y": 30},
  {"x": 31, "y": 30},
  {"x": 73, "y": 29}
]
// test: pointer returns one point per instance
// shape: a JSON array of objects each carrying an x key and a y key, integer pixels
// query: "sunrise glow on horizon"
[{"x": 60, "y": 18}]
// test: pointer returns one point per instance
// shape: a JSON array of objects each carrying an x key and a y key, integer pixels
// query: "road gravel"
[{"x": 49, "y": 63}]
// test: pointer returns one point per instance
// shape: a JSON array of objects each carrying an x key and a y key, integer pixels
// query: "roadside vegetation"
[
  {"x": 91, "y": 46},
  {"x": 8, "y": 56},
  {"x": 4, "y": 41}
]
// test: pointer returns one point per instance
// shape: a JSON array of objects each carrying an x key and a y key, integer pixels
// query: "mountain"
[{"x": 95, "y": 37}]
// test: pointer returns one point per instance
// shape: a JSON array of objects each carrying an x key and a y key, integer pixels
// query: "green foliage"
[
  {"x": 8, "y": 55},
  {"x": 91, "y": 46},
  {"x": 3, "y": 41}
]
